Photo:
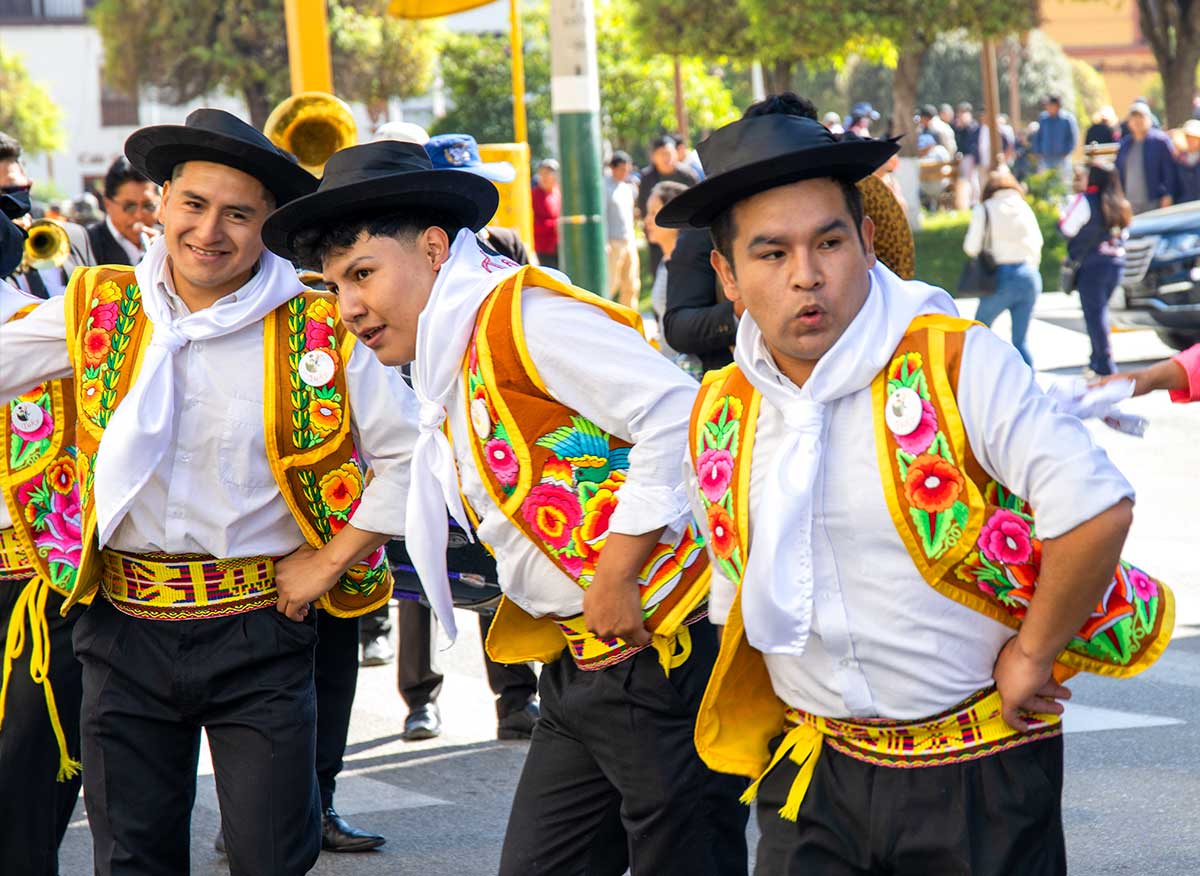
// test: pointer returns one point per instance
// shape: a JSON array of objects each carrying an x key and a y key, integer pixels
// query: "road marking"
[
  {"x": 355, "y": 795},
  {"x": 1092, "y": 719}
]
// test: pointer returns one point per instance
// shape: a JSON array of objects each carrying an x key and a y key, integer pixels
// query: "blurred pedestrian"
[
  {"x": 887, "y": 173},
  {"x": 130, "y": 216},
  {"x": 624, "y": 271},
  {"x": 547, "y": 207},
  {"x": 1104, "y": 128},
  {"x": 686, "y": 156},
  {"x": 933, "y": 125},
  {"x": 1006, "y": 224},
  {"x": 1188, "y": 158},
  {"x": 1056, "y": 138},
  {"x": 1146, "y": 162},
  {"x": 833, "y": 121},
  {"x": 966, "y": 138},
  {"x": 85, "y": 209},
  {"x": 664, "y": 167},
  {"x": 665, "y": 239},
  {"x": 862, "y": 115},
  {"x": 1094, "y": 224}
]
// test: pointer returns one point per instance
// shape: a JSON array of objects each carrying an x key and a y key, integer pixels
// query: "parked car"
[{"x": 1162, "y": 274}]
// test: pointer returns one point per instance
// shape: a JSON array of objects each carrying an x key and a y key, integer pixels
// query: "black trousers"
[
  {"x": 35, "y": 808},
  {"x": 420, "y": 680},
  {"x": 336, "y": 675},
  {"x": 612, "y": 779},
  {"x": 149, "y": 687},
  {"x": 996, "y": 816}
]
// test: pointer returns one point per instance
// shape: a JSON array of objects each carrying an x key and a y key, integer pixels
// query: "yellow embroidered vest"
[
  {"x": 309, "y": 446},
  {"x": 37, "y": 479},
  {"x": 557, "y": 477},
  {"x": 972, "y": 540}
]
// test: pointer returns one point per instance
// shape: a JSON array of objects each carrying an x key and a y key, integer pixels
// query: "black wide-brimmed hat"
[
  {"x": 379, "y": 177},
  {"x": 217, "y": 136},
  {"x": 762, "y": 152}
]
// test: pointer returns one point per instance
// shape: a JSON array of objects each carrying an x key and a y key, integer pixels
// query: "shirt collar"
[{"x": 131, "y": 250}]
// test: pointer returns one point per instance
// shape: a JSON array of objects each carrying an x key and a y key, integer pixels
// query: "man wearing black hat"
[
  {"x": 564, "y": 436},
  {"x": 225, "y": 423},
  {"x": 870, "y": 560}
]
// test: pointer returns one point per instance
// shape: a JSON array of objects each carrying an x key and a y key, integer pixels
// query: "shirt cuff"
[
  {"x": 382, "y": 509},
  {"x": 720, "y": 598},
  {"x": 1189, "y": 361},
  {"x": 644, "y": 508},
  {"x": 1063, "y": 506}
]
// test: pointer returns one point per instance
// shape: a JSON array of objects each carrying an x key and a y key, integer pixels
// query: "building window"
[
  {"x": 43, "y": 10},
  {"x": 117, "y": 109}
]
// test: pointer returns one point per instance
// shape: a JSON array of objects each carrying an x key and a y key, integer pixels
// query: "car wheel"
[{"x": 1177, "y": 340}]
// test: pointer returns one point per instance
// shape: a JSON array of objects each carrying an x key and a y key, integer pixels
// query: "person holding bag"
[{"x": 1005, "y": 230}]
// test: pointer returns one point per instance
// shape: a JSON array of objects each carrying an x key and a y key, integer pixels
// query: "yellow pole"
[
  {"x": 308, "y": 46},
  {"x": 520, "y": 130}
]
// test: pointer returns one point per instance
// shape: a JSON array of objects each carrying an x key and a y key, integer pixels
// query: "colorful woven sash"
[
  {"x": 591, "y": 652},
  {"x": 187, "y": 586},
  {"x": 14, "y": 565},
  {"x": 970, "y": 730}
]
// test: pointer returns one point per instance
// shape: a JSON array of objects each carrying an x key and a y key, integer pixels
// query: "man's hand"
[
  {"x": 612, "y": 607},
  {"x": 1026, "y": 683},
  {"x": 303, "y": 577}
]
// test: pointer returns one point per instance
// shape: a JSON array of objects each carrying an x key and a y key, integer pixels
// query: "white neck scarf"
[
  {"x": 141, "y": 427},
  {"x": 778, "y": 590},
  {"x": 443, "y": 333}
]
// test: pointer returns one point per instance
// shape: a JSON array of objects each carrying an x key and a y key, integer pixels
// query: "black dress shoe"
[
  {"x": 519, "y": 724},
  {"x": 338, "y": 836},
  {"x": 423, "y": 722}
]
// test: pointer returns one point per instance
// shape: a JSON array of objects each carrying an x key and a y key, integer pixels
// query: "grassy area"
[{"x": 939, "y": 246}]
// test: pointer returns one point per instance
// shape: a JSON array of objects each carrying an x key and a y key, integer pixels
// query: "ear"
[
  {"x": 725, "y": 273},
  {"x": 435, "y": 244},
  {"x": 868, "y": 240},
  {"x": 166, "y": 191}
]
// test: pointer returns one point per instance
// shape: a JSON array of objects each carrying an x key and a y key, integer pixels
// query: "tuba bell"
[
  {"x": 46, "y": 246},
  {"x": 312, "y": 126}
]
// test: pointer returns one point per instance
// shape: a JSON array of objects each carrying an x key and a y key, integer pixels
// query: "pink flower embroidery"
[
  {"x": 572, "y": 565},
  {"x": 317, "y": 335},
  {"x": 104, "y": 316},
  {"x": 61, "y": 535},
  {"x": 1005, "y": 538},
  {"x": 715, "y": 468},
  {"x": 553, "y": 512},
  {"x": 1143, "y": 585},
  {"x": 502, "y": 461},
  {"x": 917, "y": 441}
]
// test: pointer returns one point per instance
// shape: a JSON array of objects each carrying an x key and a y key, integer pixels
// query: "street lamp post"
[{"x": 575, "y": 101}]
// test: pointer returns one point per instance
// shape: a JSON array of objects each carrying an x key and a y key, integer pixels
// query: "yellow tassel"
[
  {"x": 668, "y": 658},
  {"x": 808, "y": 763}
]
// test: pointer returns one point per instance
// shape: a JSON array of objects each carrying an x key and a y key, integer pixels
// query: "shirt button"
[
  {"x": 185, "y": 457},
  {"x": 846, "y": 663},
  {"x": 176, "y": 513}
]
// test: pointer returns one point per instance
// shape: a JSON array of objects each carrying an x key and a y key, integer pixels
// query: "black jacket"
[
  {"x": 104, "y": 246},
  {"x": 698, "y": 319}
]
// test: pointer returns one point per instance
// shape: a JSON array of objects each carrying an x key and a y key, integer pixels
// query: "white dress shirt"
[
  {"x": 132, "y": 250},
  {"x": 213, "y": 491},
  {"x": 606, "y": 372},
  {"x": 884, "y": 643}
]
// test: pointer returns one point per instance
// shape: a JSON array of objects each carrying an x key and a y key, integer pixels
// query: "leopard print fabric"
[{"x": 893, "y": 238}]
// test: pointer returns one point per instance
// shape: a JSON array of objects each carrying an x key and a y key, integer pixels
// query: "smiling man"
[
  {"x": 218, "y": 497},
  {"x": 859, "y": 469},
  {"x": 567, "y": 429}
]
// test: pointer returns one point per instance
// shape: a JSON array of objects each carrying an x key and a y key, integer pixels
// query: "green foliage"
[
  {"x": 705, "y": 28},
  {"x": 26, "y": 110},
  {"x": 1091, "y": 91},
  {"x": 377, "y": 57}
]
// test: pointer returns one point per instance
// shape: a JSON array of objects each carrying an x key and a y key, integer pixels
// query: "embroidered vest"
[
  {"x": 557, "y": 476},
  {"x": 970, "y": 537},
  {"x": 307, "y": 421},
  {"x": 37, "y": 479}
]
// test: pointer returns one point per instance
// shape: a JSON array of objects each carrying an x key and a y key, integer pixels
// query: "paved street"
[{"x": 1133, "y": 755}]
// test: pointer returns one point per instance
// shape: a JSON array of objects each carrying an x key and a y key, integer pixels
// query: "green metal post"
[{"x": 575, "y": 100}]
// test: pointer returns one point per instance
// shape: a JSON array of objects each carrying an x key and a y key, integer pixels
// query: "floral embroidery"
[
  {"x": 502, "y": 461},
  {"x": 932, "y": 483},
  {"x": 106, "y": 337},
  {"x": 317, "y": 411},
  {"x": 90, "y": 393},
  {"x": 553, "y": 512},
  {"x": 1006, "y": 538},
  {"x": 26, "y": 448},
  {"x": 50, "y": 503},
  {"x": 62, "y": 475},
  {"x": 716, "y": 459},
  {"x": 919, "y": 440},
  {"x": 341, "y": 487}
]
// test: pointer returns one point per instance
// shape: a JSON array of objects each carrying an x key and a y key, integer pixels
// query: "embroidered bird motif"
[{"x": 585, "y": 446}]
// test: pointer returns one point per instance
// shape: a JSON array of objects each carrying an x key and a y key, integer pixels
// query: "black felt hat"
[
  {"x": 762, "y": 152},
  {"x": 217, "y": 136},
  {"x": 377, "y": 177}
]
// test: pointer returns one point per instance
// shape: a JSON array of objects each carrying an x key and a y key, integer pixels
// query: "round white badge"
[
  {"x": 481, "y": 420},
  {"x": 903, "y": 412},
  {"x": 317, "y": 368},
  {"x": 27, "y": 417}
]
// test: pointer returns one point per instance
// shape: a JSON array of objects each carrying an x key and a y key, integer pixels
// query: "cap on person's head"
[
  {"x": 945, "y": 108},
  {"x": 548, "y": 164},
  {"x": 965, "y": 107},
  {"x": 928, "y": 111},
  {"x": 662, "y": 140},
  {"x": 864, "y": 110},
  {"x": 618, "y": 158},
  {"x": 461, "y": 152},
  {"x": 831, "y": 118},
  {"x": 402, "y": 132},
  {"x": 924, "y": 141},
  {"x": 1141, "y": 108}
]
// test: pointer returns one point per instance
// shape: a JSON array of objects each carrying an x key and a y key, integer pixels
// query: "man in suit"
[
  {"x": 131, "y": 211},
  {"x": 40, "y": 282}
]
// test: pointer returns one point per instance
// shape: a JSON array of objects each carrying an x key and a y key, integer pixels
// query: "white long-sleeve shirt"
[
  {"x": 883, "y": 642},
  {"x": 213, "y": 491},
  {"x": 1013, "y": 236},
  {"x": 606, "y": 372}
]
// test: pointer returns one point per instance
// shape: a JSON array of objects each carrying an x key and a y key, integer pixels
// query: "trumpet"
[
  {"x": 312, "y": 126},
  {"x": 46, "y": 246}
]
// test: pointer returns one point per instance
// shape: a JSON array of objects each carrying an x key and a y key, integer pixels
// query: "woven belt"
[
  {"x": 14, "y": 565},
  {"x": 186, "y": 586},
  {"x": 973, "y": 729},
  {"x": 590, "y": 652}
]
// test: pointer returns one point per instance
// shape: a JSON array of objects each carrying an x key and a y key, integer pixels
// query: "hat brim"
[
  {"x": 702, "y": 203},
  {"x": 156, "y": 151},
  {"x": 496, "y": 171},
  {"x": 448, "y": 195}
]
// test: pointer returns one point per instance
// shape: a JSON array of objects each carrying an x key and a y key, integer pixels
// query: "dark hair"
[
  {"x": 119, "y": 173},
  {"x": 1116, "y": 210},
  {"x": 929, "y": 111},
  {"x": 667, "y": 191},
  {"x": 619, "y": 158},
  {"x": 679, "y": 139},
  {"x": 723, "y": 229},
  {"x": 1001, "y": 179},
  {"x": 314, "y": 244},
  {"x": 10, "y": 148},
  {"x": 1054, "y": 98},
  {"x": 662, "y": 140}
]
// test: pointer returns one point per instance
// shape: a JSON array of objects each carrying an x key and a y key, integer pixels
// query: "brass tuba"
[
  {"x": 312, "y": 126},
  {"x": 47, "y": 245}
]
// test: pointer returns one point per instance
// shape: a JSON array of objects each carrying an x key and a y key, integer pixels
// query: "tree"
[
  {"x": 187, "y": 49},
  {"x": 1172, "y": 28},
  {"x": 1091, "y": 91},
  {"x": 26, "y": 110}
]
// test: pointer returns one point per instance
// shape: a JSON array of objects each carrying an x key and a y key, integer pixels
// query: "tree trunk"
[
  {"x": 777, "y": 77},
  {"x": 257, "y": 103},
  {"x": 904, "y": 94},
  {"x": 1179, "y": 85},
  {"x": 1172, "y": 28},
  {"x": 681, "y": 116}
]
